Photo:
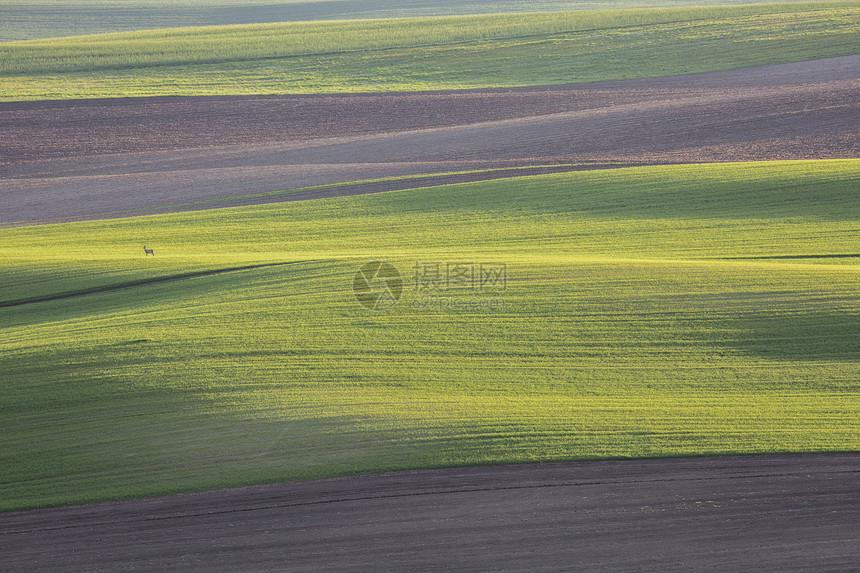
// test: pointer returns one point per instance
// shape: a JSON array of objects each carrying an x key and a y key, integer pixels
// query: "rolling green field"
[
  {"x": 427, "y": 53},
  {"x": 654, "y": 311},
  {"x": 52, "y": 18}
]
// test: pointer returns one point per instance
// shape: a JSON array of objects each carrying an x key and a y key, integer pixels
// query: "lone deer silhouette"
[{"x": 147, "y": 252}]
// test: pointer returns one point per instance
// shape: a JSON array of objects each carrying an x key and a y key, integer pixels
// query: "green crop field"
[
  {"x": 51, "y": 18},
  {"x": 426, "y": 53},
  {"x": 654, "y": 311}
]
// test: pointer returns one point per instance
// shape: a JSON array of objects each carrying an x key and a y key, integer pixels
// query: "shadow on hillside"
[
  {"x": 819, "y": 336},
  {"x": 138, "y": 283}
]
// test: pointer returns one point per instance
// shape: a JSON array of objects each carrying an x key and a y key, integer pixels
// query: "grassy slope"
[
  {"x": 628, "y": 327},
  {"x": 430, "y": 53},
  {"x": 52, "y": 18}
]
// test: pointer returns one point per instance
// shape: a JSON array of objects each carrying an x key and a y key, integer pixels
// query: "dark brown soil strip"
[
  {"x": 736, "y": 513},
  {"x": 87, "y": 159}
]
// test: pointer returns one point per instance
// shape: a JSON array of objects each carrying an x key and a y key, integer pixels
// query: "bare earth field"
[
  {"x": 756, "y": 513},
  {"x": 95, "y": 158}
]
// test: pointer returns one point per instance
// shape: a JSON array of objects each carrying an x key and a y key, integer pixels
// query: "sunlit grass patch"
[
  {"x": 656, "y": 311},
  {"x": 426, "y": 53}
]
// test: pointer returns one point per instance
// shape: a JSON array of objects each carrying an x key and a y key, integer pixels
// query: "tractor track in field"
[{"x": 85, "y": 159}]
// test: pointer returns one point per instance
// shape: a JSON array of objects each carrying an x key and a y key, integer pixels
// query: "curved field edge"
[
  {"x": 641, "y": 312},
  {"x": 361, "y": 186},
  {"x": 455, "y": 52}
]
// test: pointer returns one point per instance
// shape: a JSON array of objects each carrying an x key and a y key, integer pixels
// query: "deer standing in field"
[{"x": 147, "y": 252}]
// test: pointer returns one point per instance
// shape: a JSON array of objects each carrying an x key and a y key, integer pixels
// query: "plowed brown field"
[
  {"x": 94, "y": 158},
  {"x": 755, "y": 513}
]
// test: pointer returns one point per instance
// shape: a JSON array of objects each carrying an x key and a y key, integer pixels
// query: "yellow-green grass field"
[
  {"x": 20, "y": 20},
  {"x": 449, "y": 52},
  {"x": 654, "y": 311}
]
